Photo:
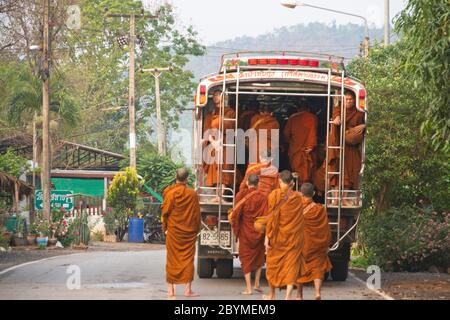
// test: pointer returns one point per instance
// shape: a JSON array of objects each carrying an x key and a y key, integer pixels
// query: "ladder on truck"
[{"x": 337, "y": 195}]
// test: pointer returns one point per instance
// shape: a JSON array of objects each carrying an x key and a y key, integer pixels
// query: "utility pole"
[
  {"x": 387, "y": 25},
  {"x": 45, "y": 174},
  {"x": 131, "y": 86},
  {"x": 160, "y": 128}
]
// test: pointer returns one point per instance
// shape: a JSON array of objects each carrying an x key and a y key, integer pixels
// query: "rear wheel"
[
  {"x": 224, "y": 268},
  {"x": 205, "y": 267},
  {"x": 340, "y": 270}
]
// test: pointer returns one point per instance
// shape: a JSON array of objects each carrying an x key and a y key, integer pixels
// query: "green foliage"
[
  {"x": 24, "y": 97},
  {"x": 158, "y": 171},
  {"x": 407, "y": 239},
  {"x": 124, "y": 190},
  {"x": 98, "y": 68},
  {"x": 400, "y": 166},
  {"x": 13, "y": 164},
  {"x": 5, "y": 238},
  {"x": 110, "y": 222},
  {"x": 425, "y": 28}
]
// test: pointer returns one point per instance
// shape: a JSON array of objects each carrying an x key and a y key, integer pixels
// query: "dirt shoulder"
[
  {"x": 19, "y": 255},
  {"x": 412, "y": 285}
]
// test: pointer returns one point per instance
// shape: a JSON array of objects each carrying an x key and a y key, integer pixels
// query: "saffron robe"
[
  {"x": 251, "y": 242},
  {"x": 317, "y": 235},
  {"x": 259, "y": 123},
  {"x": 301, "y": 133},
  {"x": 285, "y": 232},
  {"x": 268, "y": 177},
  {"x": 181, "y": 217}
]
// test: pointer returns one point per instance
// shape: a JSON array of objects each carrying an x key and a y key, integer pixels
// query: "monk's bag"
[
  {"x": 261, "y": 222},
  {"x": 355, "y": 135},
  {"x": 238, "y": 205}
]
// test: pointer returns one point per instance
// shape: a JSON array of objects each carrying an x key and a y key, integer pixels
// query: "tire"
[
  {"x": 339, "y": 271},
  {"x": 224, "y": 268},
  {"x": 205, "y": 268}
]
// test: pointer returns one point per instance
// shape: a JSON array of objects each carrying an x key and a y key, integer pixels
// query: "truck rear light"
[
  {"x": 202, "y": 100},
  {"x": 314, "y": 63},
  {"x": 273, "y": 61},
  {"x": 263, "y": 61},
  {"x": 252, "y": 62},
  {"x": 293, "y": 62},
  {"x": 211, "y": 221},
  {"x": 304, "y": 62},
  {"x": 362, "y": 98},
  {"x": 202, "y": 89},
  {"x": 283, "y": 61}
]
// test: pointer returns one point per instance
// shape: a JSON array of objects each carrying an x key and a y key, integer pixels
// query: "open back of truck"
[{"x": 277, "y": 79}]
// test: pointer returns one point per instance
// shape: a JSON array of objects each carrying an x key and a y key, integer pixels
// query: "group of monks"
[
  {"x": 306, "y": 158},
  {"x": 294, "y": 245}
]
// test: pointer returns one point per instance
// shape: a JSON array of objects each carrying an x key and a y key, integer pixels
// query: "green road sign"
[{"x": 59, "y": 199}]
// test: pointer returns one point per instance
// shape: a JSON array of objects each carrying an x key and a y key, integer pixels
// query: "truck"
[{"x": 277, "y": 78}]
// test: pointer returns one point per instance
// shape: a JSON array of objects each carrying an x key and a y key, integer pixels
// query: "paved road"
[{"x": 135, "y": 275}]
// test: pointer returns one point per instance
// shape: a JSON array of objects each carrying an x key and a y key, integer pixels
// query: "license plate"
[{"x": 209, "y": 238}]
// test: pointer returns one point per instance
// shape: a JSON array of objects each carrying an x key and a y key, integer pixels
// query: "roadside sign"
[{"x": 59, "y": 199}]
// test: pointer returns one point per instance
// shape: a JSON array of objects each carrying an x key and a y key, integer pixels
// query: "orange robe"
[
  {"x": 317, "y": 235},
  {"x": 301, "y": 133},
  {"x": 262, "y": 122},
  {"x": 251, "y": 242},
  {"x": 181, "y": 217},
  {"x": 245, "y": 119},
  {"x": 212, "y": 121},
  {"x": 352, "y": 162},
  {"x": 268, "y": 177},
  {"x": 285, "y": 232}
]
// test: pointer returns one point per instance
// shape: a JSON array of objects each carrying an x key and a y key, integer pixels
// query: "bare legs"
[
  {"x": 271, "y": 295},
  {"x": 289, "y": 289},
  {"x": 248, "y": 282},
  {"x": 317, "y": 287},
  {"x": 187, "y": 290}
]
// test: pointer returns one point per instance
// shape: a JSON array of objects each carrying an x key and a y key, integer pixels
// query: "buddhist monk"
[
  {"x": 213, "y": 123},
  {"x": 284, "y": 237},
  {"x": 245, "y": 117},
  {"x": 181, "y": 222},
  {"x": 263, "y": 124},
  {"x": 267, "y": 173},
  {"x": 250, "y": 204},
  {"x": 352, "y": 162},
  {"x": 300, "y": 133},
  {"x": 317, "y": 235}
]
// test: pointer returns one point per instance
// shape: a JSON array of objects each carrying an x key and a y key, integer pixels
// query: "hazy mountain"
[{"x": 341, "y": 40}]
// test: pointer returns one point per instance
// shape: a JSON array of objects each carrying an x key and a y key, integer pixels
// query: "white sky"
[{"x": 218, "y": 20}]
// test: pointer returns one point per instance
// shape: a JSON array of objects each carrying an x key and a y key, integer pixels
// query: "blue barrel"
[{"x": 136, "y": 230}]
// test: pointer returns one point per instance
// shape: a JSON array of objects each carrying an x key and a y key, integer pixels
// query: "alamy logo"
[
  {"x": 374, "y": 280},
  {"x": 74, "y": 280}
]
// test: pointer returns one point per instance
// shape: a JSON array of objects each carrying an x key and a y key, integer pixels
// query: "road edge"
[{"x": 380, "y": 292}]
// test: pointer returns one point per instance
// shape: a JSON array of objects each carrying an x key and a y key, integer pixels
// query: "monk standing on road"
[
  {"x": 301, "y": 134},
  {"x": 250, "y": 204},
  {"x": 181, "y": 220},
  {"x": 317, "y": 235},
  {"x": 284, "y": 237}
]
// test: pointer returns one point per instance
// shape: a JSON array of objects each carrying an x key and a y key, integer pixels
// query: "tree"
[
  {"x": 400, "y": 165},
  {"x": 99, "y": 69},
  {"x": 425, "y": 28},
  {"x": 122, "y": 197}
]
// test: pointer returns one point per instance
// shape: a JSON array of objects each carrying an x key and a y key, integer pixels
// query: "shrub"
[{"x": 407, "y": 239}]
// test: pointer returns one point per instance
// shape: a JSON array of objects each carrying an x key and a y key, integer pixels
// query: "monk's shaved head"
[
  {"x": 253, "y": 180},
  {"x": 307, "y": 189},
  {"x": 182, "y": 174},
  {"x": 286, "y": 176}
]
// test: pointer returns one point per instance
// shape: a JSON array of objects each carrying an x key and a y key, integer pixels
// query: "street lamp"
[{"x": 292, "y": 4}]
